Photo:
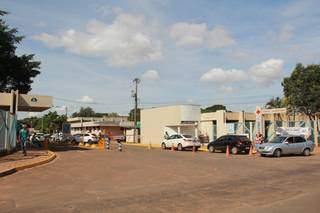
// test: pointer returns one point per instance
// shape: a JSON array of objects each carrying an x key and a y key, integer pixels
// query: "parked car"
[
  {"x": 90, "y": 138},
  {"x": 56, "y": 137},
  {"x": 236, "y": 143},
  {"x": 39, "y": 137},
  {"x": 76, "y": 138},
  {"x": 285, "y": 145},
  {"x": 181, "y": 142}
]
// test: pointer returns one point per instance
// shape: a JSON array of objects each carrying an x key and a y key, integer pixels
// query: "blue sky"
[{"x": 205, "y": 52}]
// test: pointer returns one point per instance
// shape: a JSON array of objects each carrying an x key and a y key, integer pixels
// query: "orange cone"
[
  {"x": 172, "y": 148},
  {"x": 228, "y": 151},
  {"x": 250, "y": 151}
]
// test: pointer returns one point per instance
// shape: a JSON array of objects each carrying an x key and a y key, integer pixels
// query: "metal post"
[
  {"x": 136, "y": 81},
  {"x": 315, "y": 131}
]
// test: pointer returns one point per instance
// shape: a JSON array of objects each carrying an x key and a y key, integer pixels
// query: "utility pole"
[
  {"x": 136, "y": 81},
  {"x": 66, "y": 108}
]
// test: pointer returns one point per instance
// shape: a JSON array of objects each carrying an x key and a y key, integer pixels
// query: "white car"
[
  {"x": 90, "y": 138},
  {"x": 181, "y": 142}
]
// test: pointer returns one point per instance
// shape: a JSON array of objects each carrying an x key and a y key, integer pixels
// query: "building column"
[
  {"x": 196, "y": 130},
  {"x": 241, "y": 129},
  {"x": 221, "y": 123},
  {"x": 179, "y": 129}
]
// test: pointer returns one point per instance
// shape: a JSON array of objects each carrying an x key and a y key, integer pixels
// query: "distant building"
[
  {"x": 116, "y": 125},
  {"x": 156, "y": 122}
]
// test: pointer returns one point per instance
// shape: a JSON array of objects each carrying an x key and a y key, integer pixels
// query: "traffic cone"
[
  {"x": 228, "y": 151},
  {"x": 172, "y": 148},
  {"x": 250, "y": 151}
]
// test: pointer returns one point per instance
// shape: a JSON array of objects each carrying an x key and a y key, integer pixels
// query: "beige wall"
[{"x": 154, "y": 120}]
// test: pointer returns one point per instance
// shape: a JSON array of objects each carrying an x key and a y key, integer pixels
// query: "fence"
[
  {"x": 8, "y": 131},
  {"x": 249, "y": 128}
]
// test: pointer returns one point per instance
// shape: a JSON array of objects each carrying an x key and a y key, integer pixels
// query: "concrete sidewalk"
[{"x": 17, "y": 161}]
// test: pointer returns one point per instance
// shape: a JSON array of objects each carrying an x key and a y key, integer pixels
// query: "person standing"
[{"x": 23, "y": 137}]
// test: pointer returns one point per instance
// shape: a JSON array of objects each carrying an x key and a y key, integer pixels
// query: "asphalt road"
[{"x": 141, "y": 180}]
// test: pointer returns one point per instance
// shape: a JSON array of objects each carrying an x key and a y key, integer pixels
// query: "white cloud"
[
  {"x": 267, "y": 71},
  {"x": 126, "y": 42},
  {"x": 286, "y": 32},
  {"x": 189, "y": 34},
  {"x": 264, "y": 73},
  {"x": 219, "y": 75},
  {"x": 151, "y": 75},
  {"x": 86, "y": 99}
]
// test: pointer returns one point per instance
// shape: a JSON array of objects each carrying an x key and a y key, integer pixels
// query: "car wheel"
[
  {"x": 212, "y": 149},
  {"x": 306, "y": 152},
  {"x": 277, "y": 153},
  {"x": 163, "y": 145},
  {"x": 234, "y": 150},
  {"x": 180, "y": 148},
  {"x": 89, "y": 141}
]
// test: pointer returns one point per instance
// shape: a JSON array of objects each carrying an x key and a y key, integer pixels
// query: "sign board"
[
  {"x": 297, "y": 131},
  {"x": 259, "y": 121},
  {"x": 274, "y": 111},
  {"x": 66, "y": 128}
]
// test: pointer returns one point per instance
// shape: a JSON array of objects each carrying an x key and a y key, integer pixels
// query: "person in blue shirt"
[{"x": 23, "y": 137}]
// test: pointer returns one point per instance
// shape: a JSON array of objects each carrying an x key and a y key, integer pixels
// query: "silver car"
[{"x": 285, "y": 145}]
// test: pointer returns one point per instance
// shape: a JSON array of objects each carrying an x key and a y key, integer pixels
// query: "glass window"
[
  {"x": 290, "y": 140},
  {"x": 277, "y": 139},
  {"x": 299, "y": 140},
  {"x": 172, "y": 137},
  {"x": 187, "y": 136},
  {"x": 178, "y": 136}
]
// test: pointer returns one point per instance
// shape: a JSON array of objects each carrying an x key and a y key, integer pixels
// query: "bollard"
[
  {"x": 45, "y": 144},
  {"x": 228, "y": 151},
  {"x": 107, "y": 144},
  {"x": 193, "y": 149},
  {"x": 250, "y": 151},
  {"x": 119, "y": 146}
]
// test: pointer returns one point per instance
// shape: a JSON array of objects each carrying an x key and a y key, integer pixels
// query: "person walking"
[{"x": 23, "y": 137}]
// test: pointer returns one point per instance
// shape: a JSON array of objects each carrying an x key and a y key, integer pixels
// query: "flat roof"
[{"x": 28, "y": 103}]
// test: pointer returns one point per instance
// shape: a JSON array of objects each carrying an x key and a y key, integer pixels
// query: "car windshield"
[
  {"x": 278, "y": 139},
  {"x": 187, "y": 136}
]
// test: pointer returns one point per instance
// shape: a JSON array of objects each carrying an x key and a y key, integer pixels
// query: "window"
[
  {"x": 187, "y": 136},
  {"x": 178, "y": 136},
  {"x": 299, "y": 140},
  {"x": 290, "y": 140},
  {"x": 86, "y": 135},
  {"x": 172, "y": 137}
]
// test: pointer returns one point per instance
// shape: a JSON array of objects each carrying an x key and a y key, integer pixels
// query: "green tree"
[
  {"x": 302, "y": 89},
  {"x": 50, "y": 122},
  {"x": 131, "y": 115},
  {"x": 17, "y": 72},
  {"x": 276, "y": 102},
  {"x": 84, "y": 112},
  {"x": 214, "y": 108}
]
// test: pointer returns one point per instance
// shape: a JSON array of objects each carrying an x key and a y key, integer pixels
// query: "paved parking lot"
[{"x": 142, "y": 180}]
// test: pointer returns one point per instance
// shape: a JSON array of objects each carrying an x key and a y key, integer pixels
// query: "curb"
[{"x": 51, "y": 156}]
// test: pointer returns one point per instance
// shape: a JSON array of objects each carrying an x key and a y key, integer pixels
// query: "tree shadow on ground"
[{"x": 65, "y": 148}]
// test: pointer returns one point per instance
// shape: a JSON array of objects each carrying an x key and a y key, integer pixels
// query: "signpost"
[
  {"x": 259, "y": 121},
  {"x": 273, "y": 111}
]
